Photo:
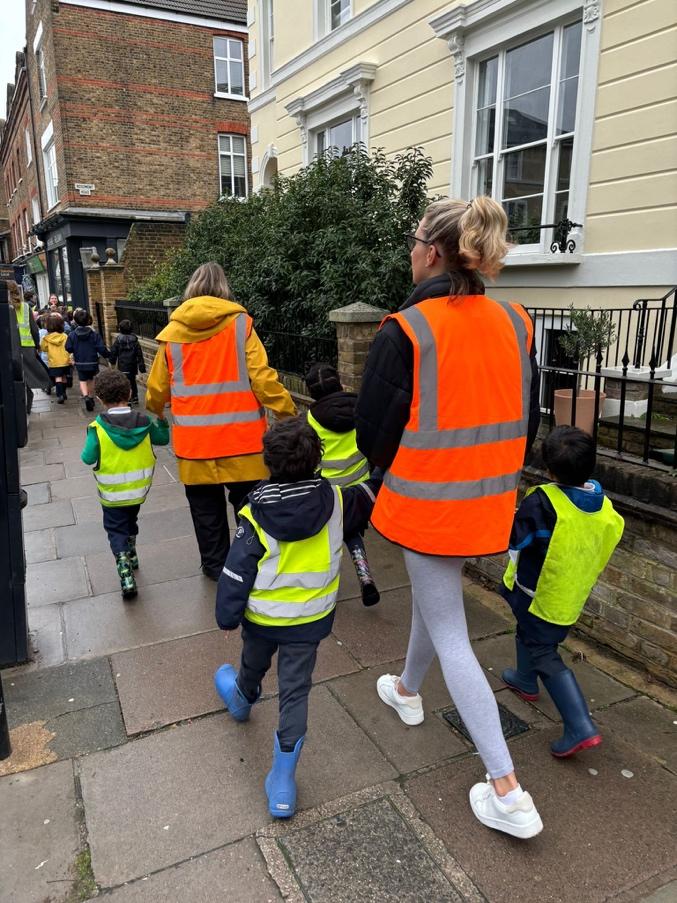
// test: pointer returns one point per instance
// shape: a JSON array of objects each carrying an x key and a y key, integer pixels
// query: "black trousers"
[
  {"x": 131, "y": 376},
  {"x": 540, "y": 637},
  {"x": 209, "y": 511},
  {"x": 29, "y": 399},
  {"x": 295, "y": 666},
  {"x": 120, "y": 523}
]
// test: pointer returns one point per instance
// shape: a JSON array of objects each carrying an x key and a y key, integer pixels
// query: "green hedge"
[{"x": 328, "y": 236}]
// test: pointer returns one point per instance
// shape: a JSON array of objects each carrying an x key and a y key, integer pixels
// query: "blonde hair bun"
[{"x": 471, "y": 235}]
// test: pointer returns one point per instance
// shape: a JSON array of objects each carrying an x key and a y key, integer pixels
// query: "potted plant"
[{"x": 588, "y": 333}]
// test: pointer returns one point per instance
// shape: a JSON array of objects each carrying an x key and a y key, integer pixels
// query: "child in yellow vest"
[
  {"x": 58, "y": 359},
  {"x": 120, "y": 445},
  {"x": 562, "y": 538}
]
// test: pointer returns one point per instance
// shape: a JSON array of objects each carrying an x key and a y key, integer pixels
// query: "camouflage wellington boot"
[
  {"x": 126, "y": 575},
  {"x": 132, "y": 553}
]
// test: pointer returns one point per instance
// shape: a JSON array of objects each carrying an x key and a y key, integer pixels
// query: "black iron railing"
[
  {"x": 294, "y": 353},
  {"x": 146, "y": 319},
  {"x": 560, "y": 244}
]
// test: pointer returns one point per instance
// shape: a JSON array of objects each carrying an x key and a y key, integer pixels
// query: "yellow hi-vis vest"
[
  {"x": 23, "y": 318},
  {"x": 342, "y": 463},
  {"x": 123, "y": 477},
  {"x": 297, "y": 582},
  {"x": 580, "y": 548}
]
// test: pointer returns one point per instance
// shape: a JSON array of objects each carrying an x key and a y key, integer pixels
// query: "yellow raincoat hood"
[{"x": 198, "y": 319}]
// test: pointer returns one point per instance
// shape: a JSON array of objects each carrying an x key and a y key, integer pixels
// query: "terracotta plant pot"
[{"x": 585, "y": 408}]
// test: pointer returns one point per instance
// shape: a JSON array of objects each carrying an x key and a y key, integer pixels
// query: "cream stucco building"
[{"x": 559, "y": 108}]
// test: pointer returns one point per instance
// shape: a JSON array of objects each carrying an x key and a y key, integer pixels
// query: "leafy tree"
[{"x": 325, "y": 237}]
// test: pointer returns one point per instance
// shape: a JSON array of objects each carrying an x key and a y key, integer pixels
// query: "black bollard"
[{"x": 5, "y": 745}]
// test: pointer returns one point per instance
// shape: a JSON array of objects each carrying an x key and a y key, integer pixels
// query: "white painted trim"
[
  {"x": 251, "y": 48},
  {"x": 484, "y": 25},
  {"x": 47, "y": 135},
  {"x": 251, "y": 14},
  {"x": 262, "y": 100},
  {"x": 165, "y": 15},
  {"x": 38, "y": 37},
  {"x": 231, "y": 96},
  {"x": 373, "y": 14},
  {"x": 254, "y": 134},
  {"x": 622, "y": 268}
]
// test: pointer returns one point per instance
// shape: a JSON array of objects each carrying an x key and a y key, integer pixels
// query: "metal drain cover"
[{"x": 511, "y": 724}]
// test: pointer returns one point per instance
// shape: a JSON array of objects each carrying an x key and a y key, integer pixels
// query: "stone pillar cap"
[
  {"x": 358, "y": 312},
  {"x": 172, "y": 302}
]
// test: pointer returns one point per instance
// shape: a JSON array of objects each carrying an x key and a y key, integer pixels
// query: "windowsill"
[
  {"x": 43, "y": 103},
  {"x": 541, "y": 258},
  {"x": 231, "y": 96}
]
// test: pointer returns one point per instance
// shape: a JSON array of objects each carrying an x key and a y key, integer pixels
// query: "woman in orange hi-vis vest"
[
  {"x": 447, "y": 404},
  {"x": 213, "y": 369}
]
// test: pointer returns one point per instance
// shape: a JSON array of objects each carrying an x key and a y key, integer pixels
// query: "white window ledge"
[
  {"x": 538, "y": 258},
  {"x": 231, "y": 96}
]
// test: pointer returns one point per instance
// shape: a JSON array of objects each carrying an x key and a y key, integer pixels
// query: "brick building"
[{"x": 139, "y": 116}]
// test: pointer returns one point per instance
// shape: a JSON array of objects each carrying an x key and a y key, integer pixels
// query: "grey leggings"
[{"x": 438, "y": 627}]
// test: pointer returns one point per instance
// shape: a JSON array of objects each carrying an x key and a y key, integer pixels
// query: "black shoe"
[
  {"x": 211, "y": 573},
  {"x": 60, "y": 400},
  {"x": 370, "y": 595},
  {"x": 89, "y": 403}
]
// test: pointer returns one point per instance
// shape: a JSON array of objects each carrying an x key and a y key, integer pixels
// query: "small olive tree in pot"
[{"x": 587, "y": 336}]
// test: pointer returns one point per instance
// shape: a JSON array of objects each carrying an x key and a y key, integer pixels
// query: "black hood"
[
  {"x": 292, "y": 511},
  {"x": 84, "y": 331},
  {"x": 442, "y": 286},
  {"x": 336, "y": 412}
]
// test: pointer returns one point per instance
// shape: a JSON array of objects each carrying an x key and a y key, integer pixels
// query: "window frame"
[
  {"x": 50, "y": 167},
  {"x": 353, "y": 116},
  {"x": 29, "y": 146},
  {"x": 232, "y": 135},
  {"x": 552, "y": 141},
  {"x": 323, "y": 17},
  {"x": 229, "y": 95}
]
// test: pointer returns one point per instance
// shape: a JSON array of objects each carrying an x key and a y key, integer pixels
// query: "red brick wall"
[{"x": 148, "y": 245}]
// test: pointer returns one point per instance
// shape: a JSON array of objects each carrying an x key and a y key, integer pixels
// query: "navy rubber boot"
[
  {"x": 522, "y": 679},
  {"x": 281, "y": 780},
  {"x": 233, "y": 698},
  {"x": 580, "y": 731}
]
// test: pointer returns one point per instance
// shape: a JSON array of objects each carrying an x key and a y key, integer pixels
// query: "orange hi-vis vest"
[
  {"x": 215, "y": 412},
  {"x": 452, "y": 486}
]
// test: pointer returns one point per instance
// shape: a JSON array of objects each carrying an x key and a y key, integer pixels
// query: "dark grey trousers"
[{"x": 295, "y": 666}]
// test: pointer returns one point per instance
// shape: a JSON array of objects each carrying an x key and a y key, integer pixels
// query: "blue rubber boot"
[
  {"x": 580, "y": 731},
  {"x": 234, "y": 700},
  {"x": 281, "y": 782},
  {"x": 522, "y": 679}
]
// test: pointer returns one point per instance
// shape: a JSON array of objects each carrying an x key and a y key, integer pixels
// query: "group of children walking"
[{"x": 280, "y": 579}]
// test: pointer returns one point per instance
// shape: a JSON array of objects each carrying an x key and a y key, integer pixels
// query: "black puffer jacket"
[
  {"x": 384, "y": 402},
  {"x": 127, "y": 353},
  {"x": 336, "y": 412}
]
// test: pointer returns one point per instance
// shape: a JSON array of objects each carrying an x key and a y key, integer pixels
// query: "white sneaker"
[
  {"x": 409, "y": 708},
  {"x": 520, "y": 819}
]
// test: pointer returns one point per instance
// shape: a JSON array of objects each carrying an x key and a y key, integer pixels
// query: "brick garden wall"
[
  {"x": 633, "y": 607},
  {"x": 148, "y": 245}
]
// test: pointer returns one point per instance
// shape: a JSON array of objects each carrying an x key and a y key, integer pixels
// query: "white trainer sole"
[
  {"x": 524, "y": 831},
  {"x": 410, "y": 720}
]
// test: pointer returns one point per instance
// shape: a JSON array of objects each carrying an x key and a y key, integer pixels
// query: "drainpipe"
[{"x": 36, "y": 145}]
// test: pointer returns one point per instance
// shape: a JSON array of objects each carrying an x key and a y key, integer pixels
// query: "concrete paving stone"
[
  {"x": 46, "y": 636},
  {"x": 160, "y": 498},
  {"x": 665, "y": 894},
  {"x": 158, "y": 562},
  {"x": 164, "y": 611},
  {"x": 71, "y": 439},
  {"x": 153, "y": 692},
  {"x": 41, "y": 473},
  {"x": 367, "y": 854},
  {"x": 38, "y": 494},
  {"x": 408, "y": 748},
  {"x": 53, "y": 514},
  {"x": 63, "y": 455},
  {"x": 603, "y": 832},
  {"x": 86, "y": 730},
  {"x": 39, "y": 545},
  {"x": 599, "y": 689},
  {"x": 44, "y": 695},
  {"x": 56, "y": 581},
  {"x": 39, "y": 840},
  {"x": 178, "y": 793},
  {"x": 646, "y": 725},
  {"x": 154, "y": 527},
  {"x": 75, "y": 488},
  {"x": 236, "y": 872},
  {"x": 76, "y": 468},
  {"x": 32, "y": 457}
]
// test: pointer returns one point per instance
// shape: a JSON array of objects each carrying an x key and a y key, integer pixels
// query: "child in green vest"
[
  {"x": 562, "y": 538},
  {"x": 120, "y": 445},
  {"x": 332, "y": 416},
  {"x": 280, "y": 582}
]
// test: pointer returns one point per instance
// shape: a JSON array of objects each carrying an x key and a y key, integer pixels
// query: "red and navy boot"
[{"x": 580, "y": 731}]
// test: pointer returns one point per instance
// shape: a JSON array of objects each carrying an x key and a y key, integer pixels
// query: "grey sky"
[{"x": 12, "y": 38}]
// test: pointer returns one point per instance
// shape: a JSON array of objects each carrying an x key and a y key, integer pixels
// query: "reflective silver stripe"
[
  {"x": 268, "y": 577},
  {"x": 464, "y": 437},
  {"x": 126, "y": 496},
  {"x": 366, "y": 489},
  {"x": 342, "y": 463},
  {"x": 273, "y": 609},
  {"x": 427, "y": 416},
  {"x": 180, "y": 389},
  {"x": 522, "y": 335},
  {"x": 350, "y": 478},
  {"x": 114, "y": 479},
  {"x": 458, "y": 491},
  {"x": 529, "y": 592},
  {"x": 217, "y": 419}
]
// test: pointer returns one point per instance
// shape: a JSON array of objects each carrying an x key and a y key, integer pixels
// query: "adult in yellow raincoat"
[{"x": 213, "y": 369}]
